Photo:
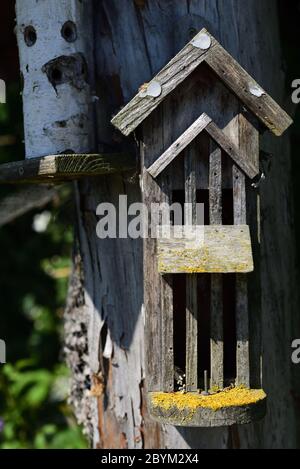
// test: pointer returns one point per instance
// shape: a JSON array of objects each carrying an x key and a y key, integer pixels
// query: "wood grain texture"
[
  {"x": 243, "y": 160},
  {"x": 144, "y": 36},
  {"x": 205, "y": 249},
  {"x": 57, "y": 168},
  {"x": 240, "y": 158},
  {"x": 249, "y": 142},
  {"x": 228, "y": 70},
  {"x": 216, "y": 303},
  {"x": 166, "y": 283},
  {"x": 203, "y": 417},
  {"x": 179, "y": 145},
  {"x": 241, "y": 83},
  {"x": 180, "y": 67},
  {"x": 158, "y": 294},
  {"x": 191, "y": 349},
  {"x": 242, "y": 314}
]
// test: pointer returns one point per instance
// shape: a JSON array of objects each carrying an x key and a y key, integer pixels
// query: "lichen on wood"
[{"x": 238, "y": 396}]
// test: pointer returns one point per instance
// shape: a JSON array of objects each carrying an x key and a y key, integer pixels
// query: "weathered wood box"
[{"x": 198, "y": 124}]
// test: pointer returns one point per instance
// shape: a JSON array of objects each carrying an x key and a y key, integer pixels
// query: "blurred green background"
[
  {"x": 35, "y": 266},
  {"x": 36, "y": 251}
]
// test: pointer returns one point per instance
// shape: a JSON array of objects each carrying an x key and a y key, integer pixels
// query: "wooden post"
[
  {"x": 216, "y": 309},
  {"x": 242, "y": 317},
  {"x": 191, "y": 279},
  {"x": 158, "y": 293}
]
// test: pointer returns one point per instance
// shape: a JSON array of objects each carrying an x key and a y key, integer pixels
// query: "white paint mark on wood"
[
  {"x": 153, "y": 90},
  {"x": 202, "y": 41},
  {"x": 256, "y": 91},
  {"x": 179, "y": 145}
]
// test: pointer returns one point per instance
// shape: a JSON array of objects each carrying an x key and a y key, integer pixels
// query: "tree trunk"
[{"x": 134, "y": 39}]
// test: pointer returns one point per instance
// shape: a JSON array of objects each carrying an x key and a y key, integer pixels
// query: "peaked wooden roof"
[
  {"x": 203, "y": 123},
  {"x": 203, "y": 48}
]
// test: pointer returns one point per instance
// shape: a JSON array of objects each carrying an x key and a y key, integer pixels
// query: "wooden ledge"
[
  {"x": 59, "y": 168},
  {"x": 227, "y": 408}
]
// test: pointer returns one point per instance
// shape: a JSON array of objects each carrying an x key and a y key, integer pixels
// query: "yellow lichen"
[{"x": 235, "y": 397}]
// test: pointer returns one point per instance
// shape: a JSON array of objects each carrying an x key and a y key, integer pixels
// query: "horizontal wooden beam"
[
  {"x": 202, "y": 48},
  {"x": 204, "y": 249},
  {"x": 58, "y": 168},
  {"x": 177, "y": 147}
]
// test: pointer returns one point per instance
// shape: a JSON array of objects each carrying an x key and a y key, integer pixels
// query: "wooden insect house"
[{"x": 198, "y": 126}]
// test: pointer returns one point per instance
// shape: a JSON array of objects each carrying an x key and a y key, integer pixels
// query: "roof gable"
[
  {"x": 204, "y": 123},
  {"x": 203, "y": 48}
]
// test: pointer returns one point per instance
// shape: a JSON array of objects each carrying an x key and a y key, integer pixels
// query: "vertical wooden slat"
[
  {"x": 216, "y": 311},
  {"x": 249, "y": 144},
  {"x": 158, "y": 294},
  {"x": 191, "y": 280},
  {"x": 166, "y": 282},
  {"x": 242, "y": 315},
  {"x": 167, "y": 326}
]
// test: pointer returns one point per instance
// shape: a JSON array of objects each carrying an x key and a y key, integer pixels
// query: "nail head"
[
  {"x": 256, "y": 91},
  {"x": 202, "y": 41},
  {"x": 153, "y": 89}
]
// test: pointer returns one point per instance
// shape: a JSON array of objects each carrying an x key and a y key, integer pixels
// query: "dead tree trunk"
[{"x": 133, "y": 39}]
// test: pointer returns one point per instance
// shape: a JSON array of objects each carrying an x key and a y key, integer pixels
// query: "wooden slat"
[
  {"x": 179, "y": 145},
  {"x": 167, "y": 333},
  {"x": 216, "y": 310},
  {"x": 158, "y": 292},
  {"x": 241, "y": 83},
  {"x": 204, "y": 122},
  {"x": 191, "y": 280},
  {"x": 56, "y": 168},
  {"x": 152, "y": 295},
  {"x": 179, "y": 68},
  {"x": 205, "y": 249},
  {"x": 249, "y": 142},
  {"x": 242, "y": 316},
  {"x": 241, "y": 159},
  {"x": 166, "y": 282}
]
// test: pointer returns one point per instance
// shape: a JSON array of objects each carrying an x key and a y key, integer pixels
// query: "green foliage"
[{"x": 34, "y": 273}]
